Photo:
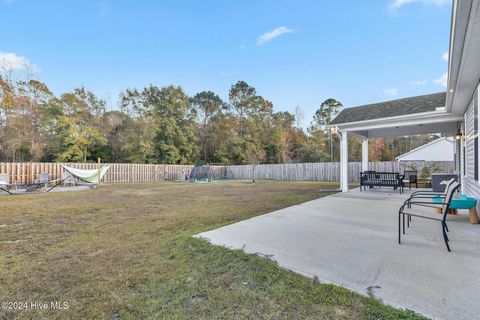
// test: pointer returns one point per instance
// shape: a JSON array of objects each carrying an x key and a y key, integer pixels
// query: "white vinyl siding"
[{"x": 471, "y": 185}]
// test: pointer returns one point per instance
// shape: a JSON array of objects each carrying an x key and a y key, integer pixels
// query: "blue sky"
[{"x": 294, "y": 52}]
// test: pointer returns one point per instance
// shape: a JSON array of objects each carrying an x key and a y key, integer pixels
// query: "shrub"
[{"x": 428, "y": 169}]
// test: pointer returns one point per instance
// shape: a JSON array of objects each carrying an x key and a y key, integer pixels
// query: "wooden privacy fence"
[
  {"x": 322, "y": 171},
  {"x": 128, "y": 172},
  {"x": 27, "y": 172},
  {"x": 325, "y": 171}
]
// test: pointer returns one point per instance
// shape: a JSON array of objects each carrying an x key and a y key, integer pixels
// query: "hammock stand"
[
  {"x": 6, "y": 190},
  {"x": 91, "y": 177}
]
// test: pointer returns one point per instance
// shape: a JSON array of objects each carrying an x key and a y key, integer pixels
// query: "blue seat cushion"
[{"x": 462, "y": 202}]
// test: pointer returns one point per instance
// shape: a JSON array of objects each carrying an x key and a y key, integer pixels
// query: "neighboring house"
[
  {"x": 441, "y": 149},
  {"x": 455, "y": 110}
]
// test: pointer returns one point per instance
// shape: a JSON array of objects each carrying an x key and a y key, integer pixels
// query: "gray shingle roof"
[{"x": 391, "y": 108}]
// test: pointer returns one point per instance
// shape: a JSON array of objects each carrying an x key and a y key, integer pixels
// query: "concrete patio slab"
[{"x": 350, "y": 239}]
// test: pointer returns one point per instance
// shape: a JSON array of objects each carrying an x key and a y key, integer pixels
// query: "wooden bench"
[{"x": 381, "y": 179}]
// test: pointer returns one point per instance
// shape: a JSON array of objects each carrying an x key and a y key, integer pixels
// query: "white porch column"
[
  {"x": 461, "y": 156},
  {"x": 344, "y": 161},
  {"x": 364, "y": 154}
]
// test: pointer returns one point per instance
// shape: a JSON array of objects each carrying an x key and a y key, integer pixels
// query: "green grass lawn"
[{"x": 126, "y": 252}]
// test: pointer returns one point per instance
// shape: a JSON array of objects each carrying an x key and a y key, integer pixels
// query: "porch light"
[{"x": 458, "y": 136}]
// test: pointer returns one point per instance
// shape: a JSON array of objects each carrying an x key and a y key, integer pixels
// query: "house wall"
[{"x": 470, "y": 179}]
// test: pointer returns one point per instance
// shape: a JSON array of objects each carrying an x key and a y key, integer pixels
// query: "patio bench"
[
  {"x": 462, "y": 202},
  {"x": 381, "y": 179}
]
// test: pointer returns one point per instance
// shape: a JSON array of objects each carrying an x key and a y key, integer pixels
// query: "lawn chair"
[
  {"x": 40, "y": 185},
  {"x": 67, "y": 179},
  {"x": 430, "y": 194},
  {"x": 405, "y": 210},
  {"x": 5, "y": 183},
  {"x": 4, "y": 180},
  {"x": 42, "y": 181}
]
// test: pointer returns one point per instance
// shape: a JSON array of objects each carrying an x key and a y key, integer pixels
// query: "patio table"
[{"x": 462, "y": 202}]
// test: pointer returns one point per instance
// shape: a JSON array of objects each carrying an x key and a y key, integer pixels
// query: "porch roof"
[
  {"x": 393, "y": 108},
  {"x": 403, "y": 117}
]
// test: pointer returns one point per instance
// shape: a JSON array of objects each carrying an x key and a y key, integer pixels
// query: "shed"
[{"x": 442, "y": 149}]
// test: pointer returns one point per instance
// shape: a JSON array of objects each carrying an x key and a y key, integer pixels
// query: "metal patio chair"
[
  {"x": 410, "y": 176},
  {"x": 430, "y": 194},
  {"x": 5, "y": 183},
  {"x": 4, "y": 180},
  {"x": 405, "y": 212},
  {"x": 42, "y": 180}
]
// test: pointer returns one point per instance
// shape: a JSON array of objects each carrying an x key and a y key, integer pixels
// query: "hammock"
[{"x": 90, "y": 176}]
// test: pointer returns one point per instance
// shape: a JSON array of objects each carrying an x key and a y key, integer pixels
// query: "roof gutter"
[{"x": 456, "y": 52}]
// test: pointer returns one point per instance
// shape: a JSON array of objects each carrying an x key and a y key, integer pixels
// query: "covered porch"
[{"x": 403, "y": 117}]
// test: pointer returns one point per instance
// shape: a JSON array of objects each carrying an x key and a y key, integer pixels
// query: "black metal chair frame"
[
  {"x": 430, "y": 194},
  {"x": 409, "y": 174},
  {"x": 444, "y": 206}
]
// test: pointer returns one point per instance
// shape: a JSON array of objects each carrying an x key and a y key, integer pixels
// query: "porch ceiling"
[
  {"x": 412, "y": 124},
  {"x": 449, "y": 128}
]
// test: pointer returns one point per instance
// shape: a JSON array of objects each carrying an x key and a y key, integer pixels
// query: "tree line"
[{"x": 165, "y": 125}]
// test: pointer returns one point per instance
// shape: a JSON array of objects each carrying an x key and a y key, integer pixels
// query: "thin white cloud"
[
  {"x": 227, "y": 73},
  {"x": 396, "y": 4},
  {"x": 418, "y": 82},
  {"x": 102, "y": 9},
  {"x": 270, "y": 35},
  {"x": 7, "y": 1},
  {"x": 442, "y": 80},
  {"x": 391, "y": 92},
  {"x": 10, "y": 61},
  {"x": 445, "y": 56}
]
